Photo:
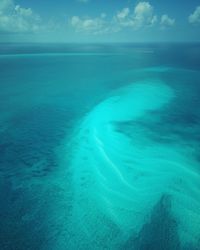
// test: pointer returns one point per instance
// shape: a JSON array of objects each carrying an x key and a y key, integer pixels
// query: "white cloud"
[
  {"x": 142, "y": 16},
  {"x": 14, "y": 18},
  {"x": 123, "y": 13},
  {"x": 23, "y": 12},
  {"x": 166, "y": 21},
  {"x": 5, "y": 5},
  {"x": 96, "y": 25},
  {"x": 195, "y": 16},
  {"x": 103, "y": 15}
]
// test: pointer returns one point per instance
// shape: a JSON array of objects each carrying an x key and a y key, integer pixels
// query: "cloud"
[
  {"x": 14, "y": 18},
  {"x": 142, "y": 16},
  {"x": 103, "y": 15},
  {"x": 166, "y": 21},
  {"x": 96, "y": 25},
  {"x": 5, "y": 5},
  {"x": 194, "y": 18},
  {"x": 123, "y": 13}
]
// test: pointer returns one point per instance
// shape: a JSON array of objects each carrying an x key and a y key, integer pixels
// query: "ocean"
[{"x": 100, "y": 146}]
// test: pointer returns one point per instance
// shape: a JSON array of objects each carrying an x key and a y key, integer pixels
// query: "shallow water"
[{"x": 99, "y": 147}]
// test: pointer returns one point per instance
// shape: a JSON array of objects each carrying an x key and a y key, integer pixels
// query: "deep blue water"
[{"x": 99, "y": 147}]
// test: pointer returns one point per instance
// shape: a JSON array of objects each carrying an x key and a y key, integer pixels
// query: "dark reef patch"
[
  {"x": 27, "y": 145},
  {"x": 160, "y": 233}
]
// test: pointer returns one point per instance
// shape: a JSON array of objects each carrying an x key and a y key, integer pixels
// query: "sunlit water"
[{"x": 100, "y": 147}]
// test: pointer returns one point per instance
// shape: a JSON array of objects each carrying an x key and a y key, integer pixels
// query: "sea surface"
[{"x": 100, "y": 147}]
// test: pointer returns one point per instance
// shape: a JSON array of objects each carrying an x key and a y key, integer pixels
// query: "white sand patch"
[{"x": 121, "y": 181}]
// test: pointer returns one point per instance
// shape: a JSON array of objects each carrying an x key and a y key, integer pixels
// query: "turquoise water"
[{"x": 99, "y": 147}]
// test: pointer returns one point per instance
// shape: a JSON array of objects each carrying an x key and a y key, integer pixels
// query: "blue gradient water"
[{"x": 99, "y": 147}]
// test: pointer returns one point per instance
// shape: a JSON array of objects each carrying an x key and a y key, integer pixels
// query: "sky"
[{"x": 91, "y": 21}]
